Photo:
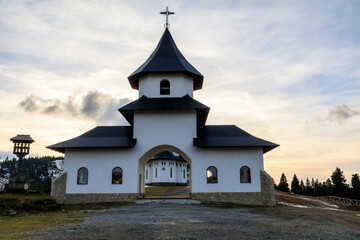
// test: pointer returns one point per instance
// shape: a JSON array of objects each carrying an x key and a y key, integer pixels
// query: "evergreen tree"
[
  {"x": 308, "y": 188},
  {"x": 318, "y": 188},
  {"x": 295, "y": 185},
  {"x": 38, "y": 171},
  {"x": 355, "y": 186},
  {"x": 339, "y": 186},
  {"x": 302, "y": 187},
  {"x": 325, "y": 189},
  {"x": 328, "y": 183},
  {"x": 283, "y": 185}
]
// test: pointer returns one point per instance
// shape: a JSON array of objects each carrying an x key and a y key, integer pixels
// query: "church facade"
[{"x": 111, "y": 163}]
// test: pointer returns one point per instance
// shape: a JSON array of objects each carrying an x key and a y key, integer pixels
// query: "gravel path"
[{"x": 176, "y": 221}]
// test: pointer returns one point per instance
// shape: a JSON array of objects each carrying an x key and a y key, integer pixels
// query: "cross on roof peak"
[{"x": 167, "y": 13}]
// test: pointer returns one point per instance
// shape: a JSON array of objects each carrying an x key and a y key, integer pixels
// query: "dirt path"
[
  {"x": 317, "y": 205},
  {"x": 304, "y": 201},
  {"x": 175, "y": 221}
]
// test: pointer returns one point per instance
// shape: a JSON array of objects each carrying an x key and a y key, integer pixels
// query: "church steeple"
[{"x": 166, "y": 59}]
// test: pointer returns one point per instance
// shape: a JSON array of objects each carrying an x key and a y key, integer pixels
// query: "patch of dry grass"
[
  {"x": 156, "y": 191},
  {"x": 21, "y": 203},
  {"x": 19, "y": 226}
]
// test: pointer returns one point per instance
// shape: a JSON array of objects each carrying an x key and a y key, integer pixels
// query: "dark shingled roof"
[
  {"x": 229, "y": 136},
  {"x": 167, "y": 155},
  {"x": 166, "y": 58},
  {"x": 169, "y": 103},
  {"x": 100, "y": 137},
  {"x": 22, "y": 138}
]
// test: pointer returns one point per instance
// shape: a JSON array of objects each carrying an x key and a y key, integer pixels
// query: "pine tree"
[
  {"x": 38, "y": 171},
  {"x": 355, "y": 186},
  {"x": 338, "y": 180},
  {"x": 302, "y": 186},
  {"x": 283, "y": 185},
  {"x": 329, "y": 186},
  {"x": 325, "y": 189},
  {"x": 295, "y": 185},
  {"x": 318, "y": 188},
  {"x": 308, "y": 188}
]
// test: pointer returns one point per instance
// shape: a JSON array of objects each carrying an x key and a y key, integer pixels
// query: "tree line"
[
  {"x": 334, "y": 186},
  {"x": 38, "y": 171}
]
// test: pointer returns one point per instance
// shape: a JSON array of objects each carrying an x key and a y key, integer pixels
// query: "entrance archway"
[{"x": 152, "y": 152}]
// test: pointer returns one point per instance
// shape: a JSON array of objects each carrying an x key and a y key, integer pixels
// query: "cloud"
[
  {"x": 95, "y": 105},
  {"x": 341, "y": 114},
  {"x": 30, "y": 103}
]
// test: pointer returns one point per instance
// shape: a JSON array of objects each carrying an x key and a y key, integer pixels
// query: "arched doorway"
[{"x": 144, "y": 159}]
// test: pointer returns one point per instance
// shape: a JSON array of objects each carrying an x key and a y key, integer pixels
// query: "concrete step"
[{"x": 167, "y": 201}]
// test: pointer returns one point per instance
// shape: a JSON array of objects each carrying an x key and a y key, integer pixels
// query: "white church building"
[
  {"x": 113, "y": 163},
  {"x": 166, "y": 168}
]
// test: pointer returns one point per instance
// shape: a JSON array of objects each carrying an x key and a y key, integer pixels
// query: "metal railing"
[{"x": 348, "y": 201}]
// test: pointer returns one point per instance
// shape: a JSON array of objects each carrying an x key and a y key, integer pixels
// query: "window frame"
[
  {"x": 165, "y": 90},
  {"x": 208, "y": 178},
  {"x": 249, "y": 174},
  {"x": 112, "y": 176},
  {"x": 87, "y": 176}
]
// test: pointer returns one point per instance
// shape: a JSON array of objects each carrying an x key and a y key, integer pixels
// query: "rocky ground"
[{"x": 296, "y": 217}]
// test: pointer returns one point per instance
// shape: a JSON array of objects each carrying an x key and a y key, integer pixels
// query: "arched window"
[
  {"x": 211, "y": 175},
  {"x": 165, "y": 87},
  {"x": 245, "y": 176},
  {"x": 117, "y": 176},
  {"x": 82, "y": 176}
]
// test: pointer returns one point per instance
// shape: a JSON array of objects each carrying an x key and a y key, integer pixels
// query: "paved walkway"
[{"x": 167, "y": 201}]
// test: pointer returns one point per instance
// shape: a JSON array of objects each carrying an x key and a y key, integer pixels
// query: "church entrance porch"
[{"x": 166, "y": 172}]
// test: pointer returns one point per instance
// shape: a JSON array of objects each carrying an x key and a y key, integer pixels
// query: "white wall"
[
  {"x": 156, "y": 132},
  {"x": 176, "y": 128},
  {"x": 100, "y": 164},
  {"x": 228, "y": 162},
  {"x": 180, "y": 85}
]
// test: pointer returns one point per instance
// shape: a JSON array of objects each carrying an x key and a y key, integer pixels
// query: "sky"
[{"x": 284, "y": 71}]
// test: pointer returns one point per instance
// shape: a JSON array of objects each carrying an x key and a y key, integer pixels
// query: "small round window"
[{"x": 163, "y": 169}]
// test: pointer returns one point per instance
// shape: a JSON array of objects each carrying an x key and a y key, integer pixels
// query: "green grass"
[
  {"x": 34, "y": 196},
  {"x": 19, "y": 226},
  {"x": 40, "y": 211}
]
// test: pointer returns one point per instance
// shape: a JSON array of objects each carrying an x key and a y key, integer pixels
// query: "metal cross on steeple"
[{"x": 167, "y": 13}]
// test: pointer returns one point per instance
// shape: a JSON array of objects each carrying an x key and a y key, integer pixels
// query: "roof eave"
[
  {"x": 63, "y": 149},
  {"x": 265, "y": 148}
]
